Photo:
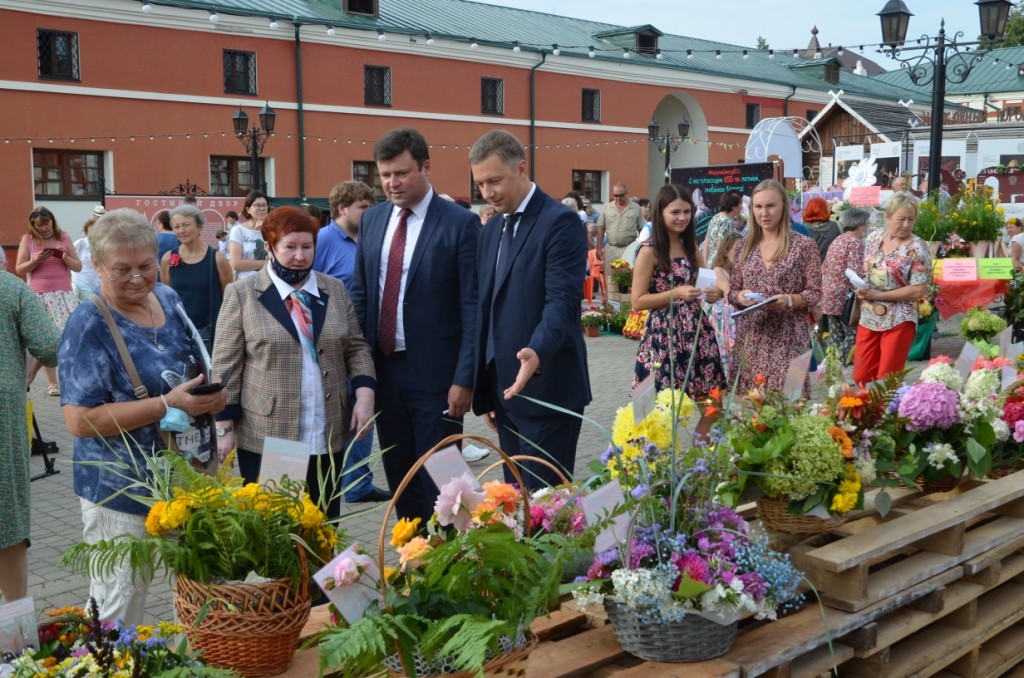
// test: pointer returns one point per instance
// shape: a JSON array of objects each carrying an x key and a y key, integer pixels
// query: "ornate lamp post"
[
  {"x": 945, "y": 57},
  {"x": 667, "y": 143},
  {"x": 255, "y": 139}
]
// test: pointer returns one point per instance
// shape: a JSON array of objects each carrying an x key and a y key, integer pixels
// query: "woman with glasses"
[
  {"x": 46, "y": 258},
  {"x": 114, "y": 422},
  {"x": 247, "y": 252}
]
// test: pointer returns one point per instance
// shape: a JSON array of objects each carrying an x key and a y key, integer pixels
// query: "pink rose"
[
  {"x": 348, "y": 570},
  {"x": 1018, "y": 431},
  {"x": 457, "y": 501}
]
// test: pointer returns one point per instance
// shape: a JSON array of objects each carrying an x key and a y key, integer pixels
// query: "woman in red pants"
[{"x": 898, "y": 268}]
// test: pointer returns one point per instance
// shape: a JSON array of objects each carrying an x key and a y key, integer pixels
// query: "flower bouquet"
[
  {"x": 239, "y": 556},
  {"x": 622, "y": 274},
  {"x": 798, "y": 457},
  {"x": 1008, "y": 453},
  {"x": 980, "y": 326},
  {"x": 634, "y": 327},
  {"x": 75, "y": 644},
  {"x": 950, "y": 424},
  {"x": 468, "y": 585},
  {"x": 676, "y": 586},
  {"x": 974, "y": 216}
]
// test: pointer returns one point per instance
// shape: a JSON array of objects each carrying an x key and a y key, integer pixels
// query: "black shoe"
[{"x": 374, "y": 495}]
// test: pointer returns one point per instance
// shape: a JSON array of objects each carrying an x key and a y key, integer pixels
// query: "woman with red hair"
[{"x": 818, "y": 220}]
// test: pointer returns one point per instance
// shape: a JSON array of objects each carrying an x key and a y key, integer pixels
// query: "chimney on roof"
[{"x": 813, "y": 50}]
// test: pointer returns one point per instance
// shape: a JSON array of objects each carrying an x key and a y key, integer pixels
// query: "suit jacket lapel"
[
  {"x": 491, "y": 239},
  {"x": 372, "y": 243},
  {"x": 523, "y": 228},
  {"x": 427, "y": 230},
  {"x": 273, "y": 302},
  {"x": 319, "y": 311}
]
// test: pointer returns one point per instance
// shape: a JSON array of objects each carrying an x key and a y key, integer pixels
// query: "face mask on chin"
[{"x": 292, "y": 276}]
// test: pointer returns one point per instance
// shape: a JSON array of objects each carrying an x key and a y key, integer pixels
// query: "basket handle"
[
  {"x": 450, "y": 440},
  {"x": 526, "y": 457}
]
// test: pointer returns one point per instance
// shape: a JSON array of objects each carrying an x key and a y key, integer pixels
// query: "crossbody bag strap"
[{"x": 140, "y": 390}]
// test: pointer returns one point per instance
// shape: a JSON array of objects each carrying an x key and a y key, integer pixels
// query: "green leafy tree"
[
  {"x": 762, "y": 42},
  {"x": 1014, "y": 35}
]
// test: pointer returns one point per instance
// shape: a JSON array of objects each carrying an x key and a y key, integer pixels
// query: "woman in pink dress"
[
  {"x": 772, "y": 264},
  {"x": 46, "y": 257}
]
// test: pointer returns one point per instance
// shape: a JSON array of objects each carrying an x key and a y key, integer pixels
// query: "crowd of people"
[{"x": 397, "y": 319}]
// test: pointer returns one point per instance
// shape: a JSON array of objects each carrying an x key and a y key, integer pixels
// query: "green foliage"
[
  {"x": 762, "y": 44},
  {"x": 981, "y": 324},
  {"x": 1014, "y": 35}
]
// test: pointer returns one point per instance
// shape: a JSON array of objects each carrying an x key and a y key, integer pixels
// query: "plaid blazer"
[{"x": 258, "y": 356}]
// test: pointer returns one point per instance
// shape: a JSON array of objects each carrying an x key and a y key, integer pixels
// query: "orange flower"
[
  {"x": 501, "y": 494},
  {"x": 840, "y": 436},
  {"x": 850, "y": 402},
  {"x": 760, "y": 379}
]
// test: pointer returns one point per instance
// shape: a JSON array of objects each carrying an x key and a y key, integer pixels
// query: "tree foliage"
[{"x": 762, "y": 44}]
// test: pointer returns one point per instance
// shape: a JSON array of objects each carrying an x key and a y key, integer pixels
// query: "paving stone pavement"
[{"x": 56, "y": 516}]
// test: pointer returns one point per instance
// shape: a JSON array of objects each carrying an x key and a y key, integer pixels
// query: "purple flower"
[
  {"x": 639, "y": 491},
  {"x": 894, "y": 404},
  {"x": 608, "y": 454},
  {"x": 1018, "y": 431},
  {"x": 930, "y": 405},
  {"x": 753, "y": 584},
  {"x": 457, "y": 501}
]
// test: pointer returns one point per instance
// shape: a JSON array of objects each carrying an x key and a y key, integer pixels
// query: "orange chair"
[{"x": 596, "y": 268}]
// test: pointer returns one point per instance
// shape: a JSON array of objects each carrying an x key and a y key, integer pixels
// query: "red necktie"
[{"x": 392, "y": 285}]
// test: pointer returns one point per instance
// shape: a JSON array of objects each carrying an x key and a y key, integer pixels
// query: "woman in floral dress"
[
  {"x": 782, "y": 267},
  {"x": 845, "y": 252},
  {"x": 664, "y": 279},
  {"x": 898, "y": 267}
]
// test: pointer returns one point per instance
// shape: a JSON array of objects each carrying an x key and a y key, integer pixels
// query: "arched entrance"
[{"x": 669, "y": 111}]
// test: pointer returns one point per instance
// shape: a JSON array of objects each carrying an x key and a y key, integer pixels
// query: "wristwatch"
[{"x": 222, "y": 431}]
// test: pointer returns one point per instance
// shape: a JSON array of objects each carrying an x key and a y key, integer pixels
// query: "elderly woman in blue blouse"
[{"x": 113, "y": 422}]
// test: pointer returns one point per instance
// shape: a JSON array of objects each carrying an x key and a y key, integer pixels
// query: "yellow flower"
[
  {"x": 1000, "y": 210},
  {"x": 403, "y": 531},
  {"x": 390, "y": 572},
  {"x": 177, "y": 514},
  {"x": 311, "y": 515},
  {"x": 155, "y": 518}
]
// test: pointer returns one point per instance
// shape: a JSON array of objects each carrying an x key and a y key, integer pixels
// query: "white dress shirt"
[
  {"x": 312, "y": 411},
  {"x": 413, "y": 226}
]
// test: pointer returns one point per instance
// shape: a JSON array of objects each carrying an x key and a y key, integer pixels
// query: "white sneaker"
[{"x": 473, "y": 453}]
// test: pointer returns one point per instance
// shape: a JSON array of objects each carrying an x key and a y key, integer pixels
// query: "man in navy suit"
[
  {"x": 414, "y": 289},
  {"x": 531, "y": 259}
]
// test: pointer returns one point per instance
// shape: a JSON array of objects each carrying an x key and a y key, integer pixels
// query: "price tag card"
[
  {"x": 995, "y": 269},
  {"x": 643, "y": 398},
  {"x": 966, "y": 360},
  {"x": 796, "y": 375},
  {"x": 959, "y": 269},
  {"x": 705, "y": 278},
  {"x": 18, "y": 628},
  {"x": 1009, "y": 375},
  {"x": 597, "y": 506},
  {"x": 350, "y": 597},
  {"x": 446, "y": 464},
  {"x": 282, "y": 458},
  {"x": 866, "y": 196}
]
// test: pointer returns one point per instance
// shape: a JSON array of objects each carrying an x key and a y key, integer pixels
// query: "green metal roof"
[
  {"x": 988, "y": 76},
  {"x": 536, "y": 31}
]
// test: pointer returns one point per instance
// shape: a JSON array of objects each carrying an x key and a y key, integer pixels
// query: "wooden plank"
[
  {"x": 575, "y": 655},
  {"x": 712, "y": 668},
  {"x": 1002, "y": 652},
  {"x": 319, "y": 619},
  {"x": 949, "y": 541},
  {"x": 559, "y": 622},
  {"x": 967, "y": 665},
  {"x": 982, "y": 561},
  {"x": 821, "y": 660},
  {"x": 907, "y": 529}
]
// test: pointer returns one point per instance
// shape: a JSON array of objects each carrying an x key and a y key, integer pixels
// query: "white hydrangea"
[
  {"x": 943, "y": 373},
  {"x": 1001, "y": 430},
  {"x": 866, "y": 469},
  {"x": 939, "y": 454}
]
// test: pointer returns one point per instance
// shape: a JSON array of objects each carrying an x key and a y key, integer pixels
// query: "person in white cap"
[{"x": 86, "y": 281}]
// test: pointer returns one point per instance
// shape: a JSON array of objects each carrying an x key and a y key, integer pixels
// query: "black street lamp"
[
  {"x": 255, "y": 139},
  {"x": 667, "y": 143},
  {"x": 944, "y": 55}
]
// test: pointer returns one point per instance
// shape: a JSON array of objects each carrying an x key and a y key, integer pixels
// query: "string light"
[
  {"x": 472, "y": 43},
  {"x": 380, "y": 35},
  {"x": 430, "y": 40},
  {"x": 625, "y": 53},
  {"x": 771, "y": 54},
  {"x": 591, "y": 53},
  {"x": 745, "y": 54},
  {"x": 718, "y": 54},
  {"x": 273, "y": 24},
  {"x": 330, "y": 30},
  {"x": 658, "y": 55},
  {"x": 515, "y": 46},
  {"x": 146, "y": 7},
  {"x": 554, "y": 49},
  {"x": 840, "y": 52},
  {"x": 214, "y": 18},
  {"x": 689, "y": 54}
]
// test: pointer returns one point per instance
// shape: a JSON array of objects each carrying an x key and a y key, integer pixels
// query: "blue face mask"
[{"x": 174, "y": 420}]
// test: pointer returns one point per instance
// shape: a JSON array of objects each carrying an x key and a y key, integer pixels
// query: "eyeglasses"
[
  {"x": 40, "y": 213},
  {"x": 123, "y": 277},
  {"x": 618, "y": 195},
  {"x": 259, "y": 206}
]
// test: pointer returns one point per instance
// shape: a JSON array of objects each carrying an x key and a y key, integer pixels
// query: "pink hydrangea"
[
  {"x": 930, "y": 405},
  {"x": 1018, "y": 431}
]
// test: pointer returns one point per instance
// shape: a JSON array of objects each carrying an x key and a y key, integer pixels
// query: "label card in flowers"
[
  {"x": 796, "y": 375},
  {"x": 643, "y": 398},
  {"x": 1009, "y": 375},
  {"x": 600, "y": 504},
  {"x": 445, "y": 465},
  {"x": 343, "y": 583},
  {"x": 965, "y": 362},
  {"x": 995, "y": 269},
  {"x": 1008, "y": 349},
  {"x": 282, "y": 458},
  {"x": 959, "y": 269},
  {"x": 18, "y": 628}
]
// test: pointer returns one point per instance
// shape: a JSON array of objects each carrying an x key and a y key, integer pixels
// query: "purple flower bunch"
[{"x": 929, "y": 405}]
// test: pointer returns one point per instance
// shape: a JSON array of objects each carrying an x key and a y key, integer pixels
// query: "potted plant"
[
  {"x": 463, "y": 595},
  {"x": 73, "y": 643},
  {"x": 622, "y": 275},
  {"x": 976, "y": 218},
  {"x": 932, "y": 224},
  {"x": 592, "y": 320},
  {"x": 690, "y": 567},
  {"x": 212, "y": 533}
]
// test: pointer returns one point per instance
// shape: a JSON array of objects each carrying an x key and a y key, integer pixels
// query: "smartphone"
[{"x": 204, "y": 389}]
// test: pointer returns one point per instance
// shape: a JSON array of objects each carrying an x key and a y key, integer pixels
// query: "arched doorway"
[{"x": 669, "y": 111}]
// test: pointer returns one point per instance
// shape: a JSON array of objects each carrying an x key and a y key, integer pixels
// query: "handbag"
[{"x": 851, "y": 310}]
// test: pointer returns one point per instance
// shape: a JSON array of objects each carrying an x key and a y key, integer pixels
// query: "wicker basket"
[
  {"x": 508, "y": 665},
  {"x": 947, "y": 483},
  {"x": 774, "y": 513},
  {"x": 693, "y": 639},
  {"x": 251, "y": 628}
]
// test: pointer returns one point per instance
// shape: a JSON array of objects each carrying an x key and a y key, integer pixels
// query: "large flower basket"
[
  {"x": 774, "y": 513},
  {"x": 693, "y": 639},
  {"x": 513, "y": 661},
  {"x": 250, "y": 628}
]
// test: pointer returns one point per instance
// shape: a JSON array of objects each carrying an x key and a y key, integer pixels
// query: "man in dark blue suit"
[
  {"x": 531, "y": 261},
  {"x": 414, "y": 289}
]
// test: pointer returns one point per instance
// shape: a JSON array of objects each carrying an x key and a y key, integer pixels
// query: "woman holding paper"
[
  {"x": 777, "y": 266},
  {"x": 845, "y": 252},
  {"x": 679, "y": 339},
  {"x": 897, "y": 267},
  {"x": 288, "y": 342}
]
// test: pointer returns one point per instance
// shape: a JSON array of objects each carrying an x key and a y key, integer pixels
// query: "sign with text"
[
  {"x": 965, "y": 361},
  {"x": 707, "y": 184},
  {"x": 598, "y": 506},
  {"x": 995, "y": 269},
  {"x": 444, "y": 465},
  {"x": 213, "y": 208},
  {"x": 866, "y": 196},
  {"x": 959, "y": 269}
]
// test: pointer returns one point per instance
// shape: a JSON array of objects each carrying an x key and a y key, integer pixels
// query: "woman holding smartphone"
[{"x": 46, "y": 258}]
